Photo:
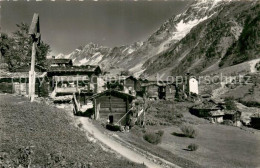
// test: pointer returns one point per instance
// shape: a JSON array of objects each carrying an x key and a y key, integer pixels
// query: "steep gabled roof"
[
  {"x": 113, "y": 93},
  {"x": 59, "y": 61},
  {"x": 87, "y": 68},
  {"x": 27, "y": 68}
]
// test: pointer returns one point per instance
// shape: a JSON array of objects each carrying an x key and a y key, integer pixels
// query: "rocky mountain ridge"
[{"x": 207, "y": 36}]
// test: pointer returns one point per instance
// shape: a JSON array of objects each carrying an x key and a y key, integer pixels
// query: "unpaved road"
[{"x": 118, "y": 147}]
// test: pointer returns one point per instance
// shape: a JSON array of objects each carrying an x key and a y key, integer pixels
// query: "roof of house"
[
  {"x": 206, "y": 105},
  {"x": 256, "y": 115},
  {"x": 113, "y": 93},
  {"x": 59, "y": 61},
  {"x": 150, "y": 83},
  {"x": 27, "y": 67},
  {"x": 119, "y": 78},
  {"x": 20, "y": 74},
  {"x": 232, "y": 112},
  {"x": 87, "y": 68}
]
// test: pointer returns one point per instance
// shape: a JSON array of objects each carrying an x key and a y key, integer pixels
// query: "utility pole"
[{"x": 34, "y": 31}]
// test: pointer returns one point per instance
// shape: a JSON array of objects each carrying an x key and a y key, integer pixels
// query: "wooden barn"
[
  {"x": 17, "y": 82},
  {"x": 132, "y": 82},
  {"x": 232, "y": 115},
  {"x": 151, "y": 90},
  {"x": 112, "y": 106}
]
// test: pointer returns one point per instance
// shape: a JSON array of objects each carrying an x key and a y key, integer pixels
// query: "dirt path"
[{"x": 118, "y": 147}]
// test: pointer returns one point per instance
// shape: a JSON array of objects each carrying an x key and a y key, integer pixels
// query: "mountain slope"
[
  {"x": 208, "y": 35},
  {"x": 207, "y": 44}
]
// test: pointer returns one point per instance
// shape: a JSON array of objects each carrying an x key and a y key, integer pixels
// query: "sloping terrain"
[
  {"x": 38, "y": 135},
  {"x": 210, "y": 43},
  {"x": 209, "y": 35},
  {"x": 219, "y": 145}
]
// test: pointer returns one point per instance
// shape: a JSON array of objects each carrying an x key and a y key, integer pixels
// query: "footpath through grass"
[{"x": 38, "y": 135}]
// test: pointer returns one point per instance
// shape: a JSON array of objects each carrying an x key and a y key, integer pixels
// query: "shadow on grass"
[
  {"x": 186, "y": 149},
  {"x": 178, "y": 134}
]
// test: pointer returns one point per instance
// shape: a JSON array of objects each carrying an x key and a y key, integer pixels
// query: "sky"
[{"x": 67, "y": 25}]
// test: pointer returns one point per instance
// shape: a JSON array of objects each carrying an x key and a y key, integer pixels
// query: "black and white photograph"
[{"x": 129, "y": 84}]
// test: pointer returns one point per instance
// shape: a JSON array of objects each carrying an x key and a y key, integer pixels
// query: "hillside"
[
  {"x": 209, "y": 35},
  {"x": 39, "y": 135},
  {"x": 209, "y": 44}
]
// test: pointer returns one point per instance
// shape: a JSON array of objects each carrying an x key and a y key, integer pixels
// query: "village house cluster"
[
  {"x": 112, "y": 95},
  {"x": 116, "y": 100}
]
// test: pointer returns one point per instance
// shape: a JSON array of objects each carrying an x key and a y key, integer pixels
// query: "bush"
[
  {"x": 230, "y": 103},
  {"x": 188, "y": 131},
  {"x": 160, "y": 133},
  {"x": 154, "y": 138},
  {"x": 193, "y": 147}
]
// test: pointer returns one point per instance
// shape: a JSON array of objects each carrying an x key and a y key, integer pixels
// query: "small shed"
[
  {"x": 216, "y": 116},
  {"x": 152, "y": 90},
  {"x": 204, "y": 109},
  {"x": 132, "y": 83},
  {"x": 255, "y": 121},
  {"x": 112, "y": 106},
  {"x": 232, "y": 115}
]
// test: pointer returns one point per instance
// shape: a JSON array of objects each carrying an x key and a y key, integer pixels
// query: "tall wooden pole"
[
  {"x": 32, "y": 74},
  {"x": 34, "y": 31}
]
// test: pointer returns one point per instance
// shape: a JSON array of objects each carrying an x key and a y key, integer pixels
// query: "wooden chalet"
[
  {"x": 112, "y": 106},
  {"x": 71, "y": 79}
]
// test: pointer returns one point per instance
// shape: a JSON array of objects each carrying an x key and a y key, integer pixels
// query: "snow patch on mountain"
[
  {"x": 182, "y": 29},
  {"x": 83, "y": 61},
  {"x": 59, "y": 56},
  {"x": 96, "y": 58},
  {"x": 137, "y": 70}
]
